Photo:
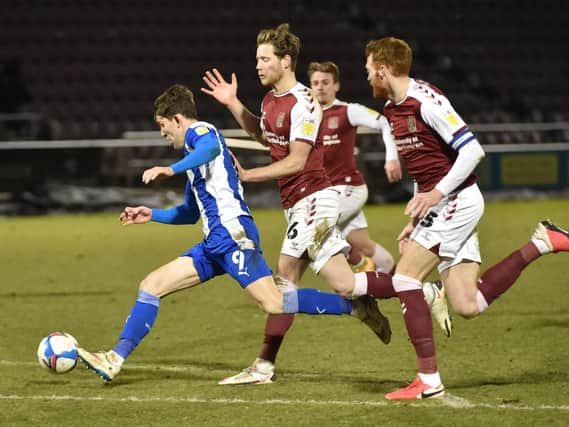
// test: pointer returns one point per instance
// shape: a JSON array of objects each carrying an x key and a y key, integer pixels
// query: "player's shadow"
[
  {"x": 210, "y": 371},
  {"x": 533, "y": 377},
  {"x": 551, "y": 323}
]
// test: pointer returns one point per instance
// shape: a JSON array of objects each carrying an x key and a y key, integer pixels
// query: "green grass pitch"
[{"x": 80, "y": 274}]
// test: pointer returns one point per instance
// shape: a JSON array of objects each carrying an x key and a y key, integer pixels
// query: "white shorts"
[
  {"x": 312, "y": 229},
  {"x": 350, "y": 214},
  {"x": 451, "y": 225}
]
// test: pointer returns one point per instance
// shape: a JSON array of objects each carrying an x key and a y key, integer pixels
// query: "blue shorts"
[{"x": 221, "y": 253}]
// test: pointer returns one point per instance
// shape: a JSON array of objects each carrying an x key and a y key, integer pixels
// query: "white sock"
[
  {"x": 481, "y": 302},
  {"x": 402, "y": 283},
  {"x": 115, "y": 358},
  {"x": 263, "y": 366},
  {"x": 541, "y": 246},
  {"x": 433, "y": 380},
  {"x": 360, "y": 285},
  {"x": 383, "y": 260},
  {"x": 429, "y": 293}
]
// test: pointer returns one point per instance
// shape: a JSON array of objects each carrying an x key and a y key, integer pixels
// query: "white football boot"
[
  {"x": 435, "y": 296},
  {"x": 260, "y": 372},
  {"x": 101, "y": 363},
  {"x": 549, "y": 237}
]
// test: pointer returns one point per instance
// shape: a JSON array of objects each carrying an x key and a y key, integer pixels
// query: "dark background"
[
  {"x": 83, "y": 69},
  {"x": 93, "y": 68}
]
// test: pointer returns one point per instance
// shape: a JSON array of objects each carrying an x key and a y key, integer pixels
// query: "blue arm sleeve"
[
  {"x": 187, "y": 213},
  {"x": 205, "y": 150}
]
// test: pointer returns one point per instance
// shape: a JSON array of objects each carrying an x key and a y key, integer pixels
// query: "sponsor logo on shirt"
[
  {"x": 331, "y": 139},
  {"x": 273, "y": 138},
  {"x": 202, "y": 130},
  {"x": 408, "y": 143}
]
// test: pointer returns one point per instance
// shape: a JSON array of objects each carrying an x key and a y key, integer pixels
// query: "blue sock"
[
  {"x": 312, "y": 301},
  {"x": 138, "y": 323}
]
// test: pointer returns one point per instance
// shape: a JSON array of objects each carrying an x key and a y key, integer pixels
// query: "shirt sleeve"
[
  {"x": 359, "y": 115},
  {"x": 206, "y": 147},
  {"x": 305, "y": 119},
  {"x": 186, "y": 213},
  {"x": 442, "y": 118},
  {"x": 465, "y": 163},
  {"x": 440, "y": 115}
]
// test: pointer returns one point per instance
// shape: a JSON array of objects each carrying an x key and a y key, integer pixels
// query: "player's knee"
[
  {"x": 271, "y": 306},
  {"x": 467, "y": 310},
  {"x": 342, "y": 284},
  {"x": 344, "y": 291},
  {"x": 343, "y": 287},
  {"x": 150, "y": 284},
  {"x": 368, "y": 249}
]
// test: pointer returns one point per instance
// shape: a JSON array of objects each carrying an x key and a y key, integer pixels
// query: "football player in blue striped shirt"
[{"x": 231, "y": 245}]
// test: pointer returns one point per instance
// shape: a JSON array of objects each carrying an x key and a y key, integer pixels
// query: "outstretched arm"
[
  {"x": 135, "y": 215},
  {"x": 181, "y": 214},
  {"x": 186, "y": 213},
  {"x": 207, "y": 148},
  {"x": 226, "y": 94}
]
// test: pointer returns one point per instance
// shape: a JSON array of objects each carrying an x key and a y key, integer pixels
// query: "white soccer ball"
[{"x": 58, "y": 352}]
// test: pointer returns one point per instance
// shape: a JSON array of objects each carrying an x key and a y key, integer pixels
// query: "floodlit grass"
[{"x": 80, "y": 274}]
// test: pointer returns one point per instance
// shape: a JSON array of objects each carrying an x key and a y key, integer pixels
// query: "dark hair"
[
  {"x": 283, "y": 41},
  {"x": 324, "y": 67},
  {"x": 177, "y": 99}
]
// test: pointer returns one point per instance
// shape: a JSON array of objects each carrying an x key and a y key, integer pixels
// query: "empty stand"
[{"x": 94, "y": 68}]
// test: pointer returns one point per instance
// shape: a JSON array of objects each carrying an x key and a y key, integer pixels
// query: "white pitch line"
[
  {"x": 448, "y": 400},
  {"x": 292, "y": 402},
  {"x": 135, "y": 367}
]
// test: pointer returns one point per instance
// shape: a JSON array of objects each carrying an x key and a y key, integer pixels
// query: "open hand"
[
  {"x": 420, "y": 204},
  {"x": 240, "y": 170},
  {"x": 221, "y": 90}
]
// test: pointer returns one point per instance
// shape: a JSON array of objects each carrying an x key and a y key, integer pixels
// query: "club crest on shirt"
[
  {"x": 333, "y": 122},
  {"x": 280, "y": 120},
  {"x": 411, "y": 124}
]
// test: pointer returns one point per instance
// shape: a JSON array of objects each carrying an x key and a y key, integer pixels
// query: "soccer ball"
[{"x": 58, "y": 352}]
